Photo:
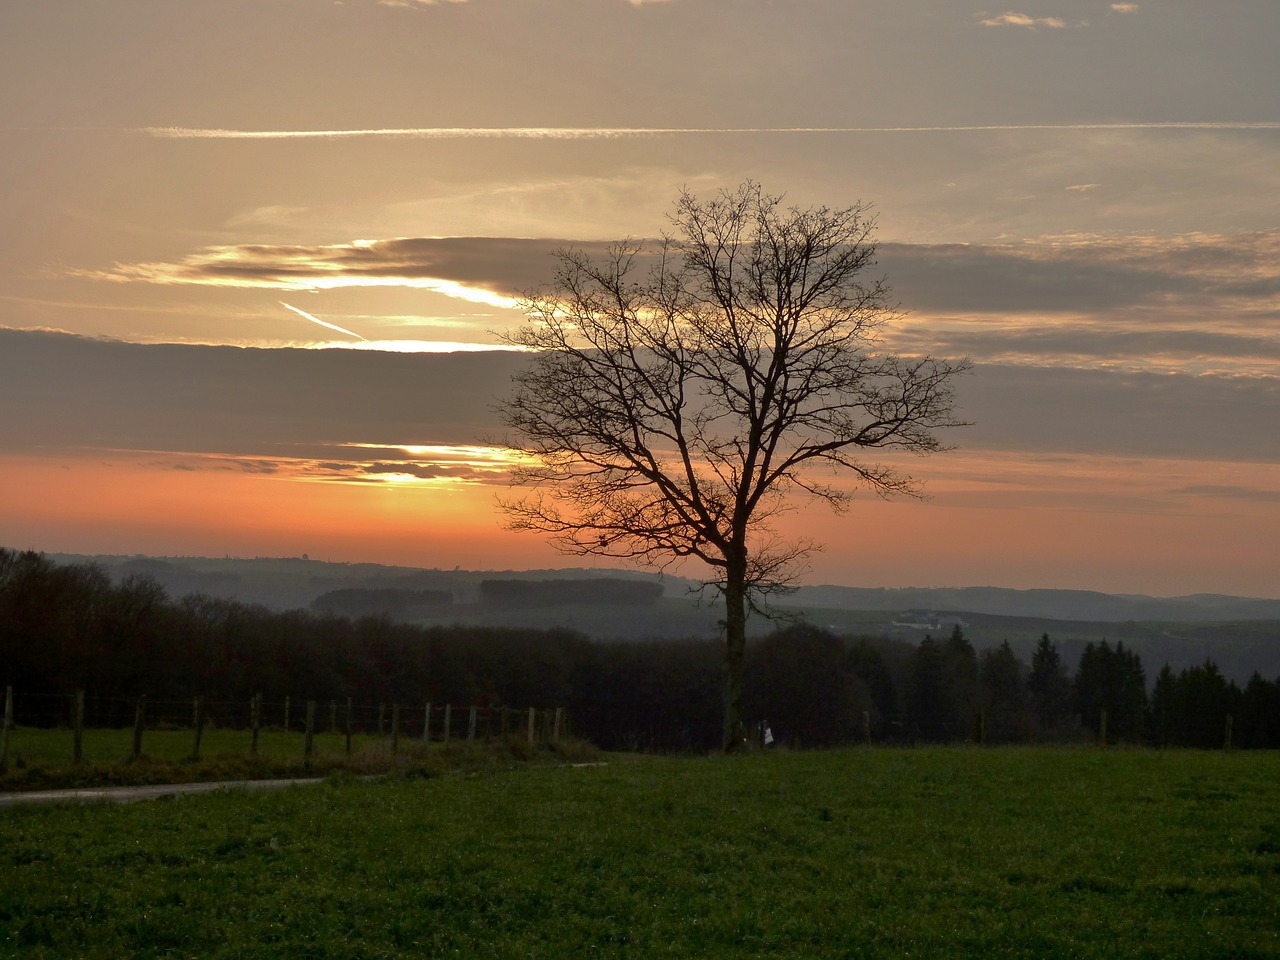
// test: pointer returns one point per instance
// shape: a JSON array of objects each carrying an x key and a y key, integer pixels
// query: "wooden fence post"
[
  {"x": 286, "y": 714},
  {"x": 448, "y": 715},
  {"x": 382, "y": 720},
  {"x": 197, "y": 718},
  {"x": 532, "y": 718},
  {"x": 426, "y": 724},
  {"x": 255, "y": 721},
  {"x": 395, "y": 728},
  {"x": 1226, "y": 742},
  {"x": 7, "y": 726},
  {"x": 866, "y": 727},
  {"x": 555, "y": 729},
  {"x": 1102, "y": 727},
  {"x": 333, "y": 716},
  {"x": 77, "y": 727},
  {"x": 308, "y": 741},
  {"x": 471, "y": 724},
  {"x": 139, "y": 717},
  {"x": 348, "y": 726}
]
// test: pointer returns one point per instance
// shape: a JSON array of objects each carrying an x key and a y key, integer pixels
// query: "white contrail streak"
[
  {"x": 618, "y": 133},
  {"x": 323, "y": 323}
]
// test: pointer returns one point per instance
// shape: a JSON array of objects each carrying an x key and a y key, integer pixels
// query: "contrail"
[
  {"x": 323, "y": 323},
  {"x": 618, "y": 133}
]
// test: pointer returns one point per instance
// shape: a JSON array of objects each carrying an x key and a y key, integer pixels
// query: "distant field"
[{"x": 937, "y": 852}]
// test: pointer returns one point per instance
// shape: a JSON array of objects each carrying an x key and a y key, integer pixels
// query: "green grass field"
[{"x": 860, "y": 853}]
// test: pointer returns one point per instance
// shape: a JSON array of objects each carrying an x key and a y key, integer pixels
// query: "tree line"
[{"x": 69, "y": 627}]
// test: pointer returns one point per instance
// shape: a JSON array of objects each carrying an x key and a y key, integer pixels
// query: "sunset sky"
[{"x": 257, "y": 254}]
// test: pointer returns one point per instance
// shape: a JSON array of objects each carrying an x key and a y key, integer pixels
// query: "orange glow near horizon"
[
  {"x": 1030, "y": 528},
  {"x": 137, "y": 508}
]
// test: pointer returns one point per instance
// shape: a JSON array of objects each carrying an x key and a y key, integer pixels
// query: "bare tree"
[{"x": 683, "y": 392}]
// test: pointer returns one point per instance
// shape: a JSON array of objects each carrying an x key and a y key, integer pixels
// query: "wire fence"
[{"x": 393, "y": 723}]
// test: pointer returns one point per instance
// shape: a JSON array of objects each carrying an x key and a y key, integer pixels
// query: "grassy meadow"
[{"x": 937, "y": 852}]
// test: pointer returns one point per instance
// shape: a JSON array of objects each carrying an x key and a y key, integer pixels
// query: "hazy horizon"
[{"x": 600, "y": 566}]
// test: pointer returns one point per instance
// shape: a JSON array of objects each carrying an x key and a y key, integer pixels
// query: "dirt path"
[{"x": 149, "y": 792}]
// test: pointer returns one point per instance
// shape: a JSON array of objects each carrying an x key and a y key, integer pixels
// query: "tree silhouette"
[
  {"x": 1052, "y": 698},
  {"x": 960, "y": 683},
  {"x": 928, "y": 703},
  {"x": 1003, "y": 693},
  {"x": 680, "y": 392},
  {"x": 799, "y": 680},
  {"x": 1112, "y": 680}
]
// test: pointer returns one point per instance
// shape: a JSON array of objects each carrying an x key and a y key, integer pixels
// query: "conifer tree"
[
  {"x": 1003, "y": 698},
  {"x": 1049, "y": 689}
]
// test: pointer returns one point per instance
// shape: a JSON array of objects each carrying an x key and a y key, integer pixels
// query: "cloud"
[
  {"x": 1230, "y": 492},
  {"x": 627, "y": 133},
  {"x": 421, "y": 263},
  {"x": 1023, "y": 20},
  {"x": 1193, "y": 304},
  {"x": 423, "y": 468},
  {"x": 1125, "y": 7},
  {"x": 420, "y": 470},
  {"x": 1087, "y": 343},
  {"x": 84, "y": 394},
  {"x": 1118, "y": 412},
  {"x": 349, "y": 415},
  {"x": 1086, "y": 273},
  {"x": 434, "y": 3},
  {"x": 428, "y": 133},
  {"x": 1052, "y": 275},
  {"x": 1204, "y": 302}
]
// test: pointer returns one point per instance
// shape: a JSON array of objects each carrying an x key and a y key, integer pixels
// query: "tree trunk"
[{"x": 735, "y": 644}]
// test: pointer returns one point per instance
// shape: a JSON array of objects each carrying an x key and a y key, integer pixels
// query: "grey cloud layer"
[
  {"x": 1083, "y": 274},
  {"x": 1085, "y": 342},
  {"x": 1123, "y": 413},
  {"x": 76, "y": 392},
  {"x": 75, "y": 395},
  {"x": 503, "y": 265},
  {"x": 1070, "y": 275},
  {"x": 1138, "y": 298}
]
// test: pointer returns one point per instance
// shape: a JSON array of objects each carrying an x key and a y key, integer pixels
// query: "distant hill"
[
  {"x": 286, "y": 583},
  {"x": 291, "y": 582},
  {"x": 1054, "y": 604},
  {"x": 1240, "y": 634},
  {"x": 608, "y": 591},
  {"x": 393, "y": 602}
]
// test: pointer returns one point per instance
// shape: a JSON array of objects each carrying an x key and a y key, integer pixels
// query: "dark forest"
[{"x": 66, "y": 628}]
